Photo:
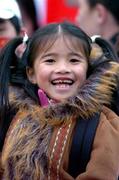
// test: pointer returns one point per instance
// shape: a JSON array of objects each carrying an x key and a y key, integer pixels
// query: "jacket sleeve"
[{"x": 104, "y": 161}]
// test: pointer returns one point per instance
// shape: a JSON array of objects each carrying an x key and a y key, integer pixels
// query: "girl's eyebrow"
[
  {"x": 49, "y": 54},
  {"x": 75, "y": 54},
  {"x": 55, "y": 54}
]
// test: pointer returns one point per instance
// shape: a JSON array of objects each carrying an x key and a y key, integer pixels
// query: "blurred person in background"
[
  {"x": 10, "y": 21},
  {"x": 29, "y": 15},
  {"x": 100, "y": 17}
]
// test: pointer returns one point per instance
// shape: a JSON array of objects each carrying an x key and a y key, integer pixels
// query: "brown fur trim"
[{"x": 96, "y": 92}]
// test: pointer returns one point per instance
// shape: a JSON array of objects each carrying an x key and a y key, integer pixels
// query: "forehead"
[
  {"x": 70, "y": 42},
  {"x": 62, "y": 41}
]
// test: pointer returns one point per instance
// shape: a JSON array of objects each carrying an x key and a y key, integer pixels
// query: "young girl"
[{"x": 63, "y": 82}]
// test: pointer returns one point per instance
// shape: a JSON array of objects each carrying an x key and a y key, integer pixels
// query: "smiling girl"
[{"x": 62, "y": 80}]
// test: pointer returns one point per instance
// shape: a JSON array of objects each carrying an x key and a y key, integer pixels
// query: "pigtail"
[
  {"x": 108, "y": 56},
  {"x": 102, "y": 61},
  {"x": 107, "y": 48},
  {"x": 8, "y": 62},
  {"x": 13, "y": 72},
  {"x": 102, "y": 52},
  {"x": 112, "y": 55}
]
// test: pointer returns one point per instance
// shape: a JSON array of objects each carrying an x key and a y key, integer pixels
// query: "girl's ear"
[
  {"x": 102, "y": 14},
  {"x": 31, "y": 75}
]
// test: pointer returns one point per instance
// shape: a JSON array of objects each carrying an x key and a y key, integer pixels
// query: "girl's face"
[{"x": 60, "y": 71}]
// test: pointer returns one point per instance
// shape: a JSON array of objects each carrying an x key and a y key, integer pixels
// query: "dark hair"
[
  {"x": 46, "y": 36},
  {"x": 13, "y": 69},
  {"x": 110, "y": 5},
  {"x": 16, "y": 23}
]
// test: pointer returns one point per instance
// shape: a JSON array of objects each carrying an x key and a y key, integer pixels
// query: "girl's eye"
[
  {"x": 74, "y": 60},
  {"x": 50, "y": 61}
]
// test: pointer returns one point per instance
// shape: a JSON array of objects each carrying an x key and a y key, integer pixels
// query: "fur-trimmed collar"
[{"x": 95, "y": 92}]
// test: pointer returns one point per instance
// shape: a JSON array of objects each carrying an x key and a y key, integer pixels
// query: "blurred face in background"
[
  {"x": 88, "y": 18},
  {"x": 7, "y": 29},
  {"x": 7, "y": 32}
]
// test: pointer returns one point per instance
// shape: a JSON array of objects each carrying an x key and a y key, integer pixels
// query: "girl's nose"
[{"x": 62, "y": 68}]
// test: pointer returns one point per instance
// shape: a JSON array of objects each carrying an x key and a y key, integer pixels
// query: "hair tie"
[
  {"x": 21, "y": 47},
  {"x": 25, "y": 37},
  {"x": 93, "y": 38}
]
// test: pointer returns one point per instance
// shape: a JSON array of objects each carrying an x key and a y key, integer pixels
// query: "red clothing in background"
[{"x": 57, "y": 10}]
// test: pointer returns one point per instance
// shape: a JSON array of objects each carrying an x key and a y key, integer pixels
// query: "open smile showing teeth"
[{"x": 62, "y": 82}]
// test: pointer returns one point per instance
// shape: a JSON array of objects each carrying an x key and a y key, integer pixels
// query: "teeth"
[
  {"x": 63, "y": 81},
  {"x": 62, "y": 85}
]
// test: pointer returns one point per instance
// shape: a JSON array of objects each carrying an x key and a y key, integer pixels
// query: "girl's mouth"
[{"x": 62, "y": 82}]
